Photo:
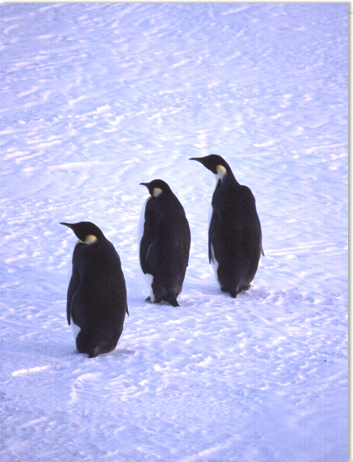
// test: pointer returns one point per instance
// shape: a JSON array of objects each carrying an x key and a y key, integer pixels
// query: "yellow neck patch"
[
  {"x": 156, "y": 192},
  {"x": 90, "y": 239},
  {"x": 221, "y": 171}
]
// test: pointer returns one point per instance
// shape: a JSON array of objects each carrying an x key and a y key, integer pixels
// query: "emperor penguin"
[
  {"x": 234, "y": 234},
  {"x": 96, "y": 297},
  {"x": 164, "y": 243}
]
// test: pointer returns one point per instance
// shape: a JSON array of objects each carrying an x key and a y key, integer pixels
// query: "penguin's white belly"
[
  {"x": 148, "y": 278},
  {"x": 74, "y": 328},
  {"x": 214, "y": 263}
]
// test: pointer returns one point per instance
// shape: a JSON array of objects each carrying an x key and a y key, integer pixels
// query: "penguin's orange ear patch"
[
  {"x": 90, "y": 239},
  {"x": 156, "y": 192}
]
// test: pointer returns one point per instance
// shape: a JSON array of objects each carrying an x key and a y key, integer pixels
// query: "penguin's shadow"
[
  {"x": 122, "y": 351},
  {"x": 117, "y": 352},
  {"x": 192, "y": 290},
  {"x": 202, "y": 289}
]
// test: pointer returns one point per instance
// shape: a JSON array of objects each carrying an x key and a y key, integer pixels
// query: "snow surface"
[{"x": 96, "y": 98}]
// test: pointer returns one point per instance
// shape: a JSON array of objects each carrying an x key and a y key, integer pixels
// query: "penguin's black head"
[
  {"x": 86, "y": 231},
  {"x": 215, "y": 163},
  {"x": 157, "y": 187}
]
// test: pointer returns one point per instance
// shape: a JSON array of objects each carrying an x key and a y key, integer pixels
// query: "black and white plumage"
[
  {"x": 96, "y": 297},
  {"x": 164, "y": 242},
  {"x": 234, "y": 235}
]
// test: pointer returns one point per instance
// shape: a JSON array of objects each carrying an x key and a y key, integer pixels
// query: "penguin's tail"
[
  {"x": 171, "y": 299},
  {"x": 98, "y": 350},
  {"x": 95, "y": 352}
]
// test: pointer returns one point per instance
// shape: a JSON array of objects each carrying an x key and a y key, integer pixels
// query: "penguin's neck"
[
  {"x": 225, "y": 178},
  {"x": 221, "y": 172},
  {"x": 90, "y": 239},
  {"x": 220, "y": 175}
]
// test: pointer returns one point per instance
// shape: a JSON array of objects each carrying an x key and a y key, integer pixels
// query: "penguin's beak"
[
  {"x": 66, "y": 224},
  {"x": 199, "y": 159},
  {"x": 147, "y": 186},
  {"x": 205, "y": 161}
]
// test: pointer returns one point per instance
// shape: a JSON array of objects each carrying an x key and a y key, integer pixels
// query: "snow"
[{"x": 97, "y": 98}]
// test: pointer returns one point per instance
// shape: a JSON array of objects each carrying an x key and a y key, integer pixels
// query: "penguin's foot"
[
  {"x": 93, "y": 354},
  {"x": 101, "y": 349},
  {"x": 233, "y": 292}
]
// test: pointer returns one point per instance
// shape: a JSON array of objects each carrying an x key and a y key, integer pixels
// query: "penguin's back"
[
  {"x": 98, "y": 303},
  {"x": 171, "y": 245},
  {"x": 235, "y": 238},
  {"x": 165, "y": 245}
]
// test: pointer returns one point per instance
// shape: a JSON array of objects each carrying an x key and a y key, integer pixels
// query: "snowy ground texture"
[{"x": 96, "y": 98}]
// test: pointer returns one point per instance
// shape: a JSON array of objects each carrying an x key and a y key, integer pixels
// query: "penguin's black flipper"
[
  {"x": 152, "y": 259},
  {"x": 146, "y": 243},
  {"x": 74, "y": 283},
  {"x": 211, "y": 232}
]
